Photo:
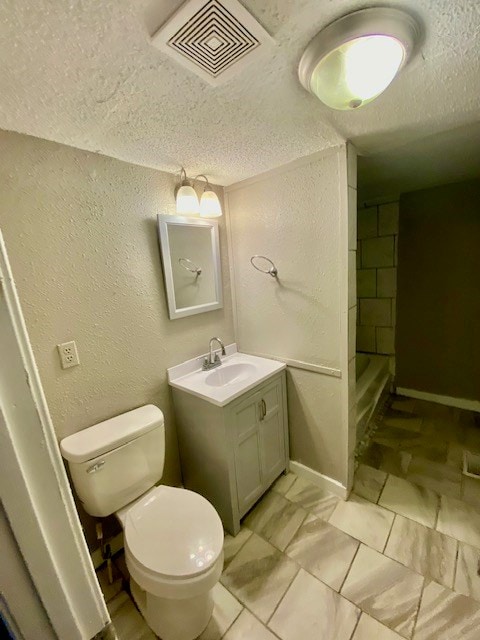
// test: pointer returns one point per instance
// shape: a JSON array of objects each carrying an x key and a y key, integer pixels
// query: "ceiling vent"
[{"x": 213, "y": 38}]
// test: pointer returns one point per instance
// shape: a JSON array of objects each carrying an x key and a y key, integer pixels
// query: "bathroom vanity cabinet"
[{"x": 232, "y": 454}]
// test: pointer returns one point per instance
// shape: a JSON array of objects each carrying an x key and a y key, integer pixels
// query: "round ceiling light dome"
[{"x": 354, "y": 59}]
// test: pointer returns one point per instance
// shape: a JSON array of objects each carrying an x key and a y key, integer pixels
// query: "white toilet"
[{"x": 173, "y": 537}]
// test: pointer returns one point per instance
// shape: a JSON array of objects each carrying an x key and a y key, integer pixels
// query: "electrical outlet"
[{"x": 68, "y": 354}]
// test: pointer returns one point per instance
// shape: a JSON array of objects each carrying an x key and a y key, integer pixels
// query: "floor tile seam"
[
  {"x": 455, "y": 569},
  {"x": 235, "y": 619},
  {"x": 241, "y": 546},
  {"x": 349, "y": 569},
  {"x": 277, "y": 548},
  {"x": 383, "y": 486},
  {"x": 417, "y": 614},
  {"x": 248, "y": 608},
  {"x": 356, "y": 624},
  {"x": 388, "y": 536},
  {"x": 299, "y": 568},
  {"x": 359, "y": 607}
]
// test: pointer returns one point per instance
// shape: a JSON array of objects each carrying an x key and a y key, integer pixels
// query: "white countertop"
[{"x": 238, "y": 373}]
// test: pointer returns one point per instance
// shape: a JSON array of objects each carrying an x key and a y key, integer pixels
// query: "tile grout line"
[
  {"x": 356, "y": 624},
  {"x": 285, "y": 593},
  {"x": 388, "y": 536},
  {"x": 455, "y": 568},
  {"x": 348, "y": 571},
  {"x": 234, "y": 620},
  {"x": 417, "y": 613}
]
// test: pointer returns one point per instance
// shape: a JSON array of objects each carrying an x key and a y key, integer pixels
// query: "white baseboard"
[
  {"x": 460, "y": 403},
  {"x": 324, "y": 482},
  {"x": 116, "y": 544}
]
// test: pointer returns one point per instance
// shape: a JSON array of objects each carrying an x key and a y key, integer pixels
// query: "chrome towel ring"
[
  {"x": 187, "y": 264},
  {"x": 272, "y": 271}
]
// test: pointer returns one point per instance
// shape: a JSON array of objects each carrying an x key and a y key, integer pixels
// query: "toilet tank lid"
[{"x": 105, "y": 436}]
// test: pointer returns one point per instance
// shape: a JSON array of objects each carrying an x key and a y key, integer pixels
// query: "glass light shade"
[
  {"x": 187, "y": 201},
  {"x": 356, "y": 72},
  {"x": 210, "y": 205}
]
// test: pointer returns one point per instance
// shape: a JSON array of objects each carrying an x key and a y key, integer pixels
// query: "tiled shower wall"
[{"x": 377, "y": 235}]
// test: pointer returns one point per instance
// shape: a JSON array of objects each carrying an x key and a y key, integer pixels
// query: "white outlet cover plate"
[{"x": 68, "y": 354}]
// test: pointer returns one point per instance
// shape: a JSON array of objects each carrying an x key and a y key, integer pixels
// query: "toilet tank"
[{"x": 115, "y": 461}]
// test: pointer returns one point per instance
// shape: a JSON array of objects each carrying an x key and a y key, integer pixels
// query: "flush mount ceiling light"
[
  {"x": 187, "y": 199},
  {"x": 354, "y": 59}
]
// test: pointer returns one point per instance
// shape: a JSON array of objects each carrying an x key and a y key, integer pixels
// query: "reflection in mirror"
[{"x": 191, "y": 264}]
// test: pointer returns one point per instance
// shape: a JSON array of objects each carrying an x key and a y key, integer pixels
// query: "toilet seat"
[{"x": 173, "y": 541}]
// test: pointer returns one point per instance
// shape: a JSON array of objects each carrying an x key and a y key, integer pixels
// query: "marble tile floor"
[{"x": 325, "y": 576}]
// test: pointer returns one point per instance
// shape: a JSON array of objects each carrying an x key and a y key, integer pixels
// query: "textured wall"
[
  {"x": 80, "y": 230},
  {"x": 438, "y": 307},
  {"x": 297, "y": 217}
]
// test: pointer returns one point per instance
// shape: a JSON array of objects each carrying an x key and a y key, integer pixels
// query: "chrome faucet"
[{"x": 213, "y": 359}]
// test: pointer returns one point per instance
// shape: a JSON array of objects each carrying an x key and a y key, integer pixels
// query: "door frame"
[{"x": 35, "y": 491}]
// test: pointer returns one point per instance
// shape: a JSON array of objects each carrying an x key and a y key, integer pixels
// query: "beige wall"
[
  {"x": 438, "y": 305},
  {"x": 80, "y": 230},
  {"x": 377, "y": 236},
  {"x": 297, "y": 216}
]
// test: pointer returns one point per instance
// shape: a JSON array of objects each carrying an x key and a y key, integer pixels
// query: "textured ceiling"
[{"x": 82, "y": 72}]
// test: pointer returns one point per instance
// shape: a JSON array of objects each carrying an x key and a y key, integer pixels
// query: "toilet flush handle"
[{"x": 96, "y": 467}]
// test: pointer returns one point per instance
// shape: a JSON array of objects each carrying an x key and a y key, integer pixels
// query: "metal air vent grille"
[{"x": 211, "y": 36}]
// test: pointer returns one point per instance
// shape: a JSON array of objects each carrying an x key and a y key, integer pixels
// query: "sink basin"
[
  {"x": 238, "y": 373},
  {"x": 230, "y": 374}
]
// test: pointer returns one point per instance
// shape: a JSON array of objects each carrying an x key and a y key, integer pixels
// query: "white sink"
[
  {"x": 230, "y": 374},
  {"x": 238, "y": 373}
]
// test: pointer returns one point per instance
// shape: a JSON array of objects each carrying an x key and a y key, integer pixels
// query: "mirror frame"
[{"x": 163, "y": 223}]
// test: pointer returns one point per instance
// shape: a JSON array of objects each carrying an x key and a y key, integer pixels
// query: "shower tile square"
[
  {"x": 459, "y": 520},
  {"x": 367, "y": 283},
  {"x": 258, "y": 576},
  {"x": 366, "y": 339},
  {"x": 319, "y": 502},
  {"x": 226, "y": 609},
  {"x": 467, "y": 578},
  {"x": 384, "y": 589},
  {"x": 388, "y": 219},
  {"x": 375, "y": 312},
  {"x": 323, "y": 550},
  {"x": 369, "y": 629},
  {"x": 369, "y": 482},
  {"x": 247, "y": 627},
  {"x": 445, "y": 615},
  {"x": 385, "y": 340},
  {"x": 378, "y": 252},
  {"x": 310, "y": 610},
  {"x": 410, "y": 500},
  {"x": 276, "y": 519},
  {"x": 233, "y": 544},
  {"x": 423, "y": 550},
  {"x": 367, "y": 225},
  {"x": 363, "y": 520},
  {"x": 387, "y": 282}
]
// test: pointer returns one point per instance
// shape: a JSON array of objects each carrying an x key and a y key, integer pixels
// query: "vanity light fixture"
[
  {"x": 186, "y": 199},
  {"x": 354, "y": 59},
  {"x": 209, "y": 203}
]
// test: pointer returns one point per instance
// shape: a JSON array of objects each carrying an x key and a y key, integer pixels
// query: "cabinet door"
[
  {"x": 272, "y": 431},
  {"x": 248, "y": 465}
]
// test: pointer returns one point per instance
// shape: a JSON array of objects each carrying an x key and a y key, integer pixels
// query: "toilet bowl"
[
  {"x": 173, "y": 537},
  {"x": 174, "y": 554}
]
